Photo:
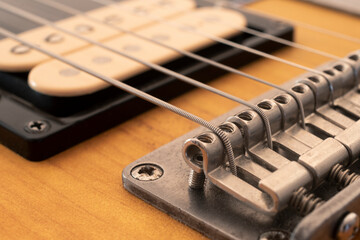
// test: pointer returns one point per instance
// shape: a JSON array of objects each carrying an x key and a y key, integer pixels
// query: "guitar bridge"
[{"x": 302, "y": 186}]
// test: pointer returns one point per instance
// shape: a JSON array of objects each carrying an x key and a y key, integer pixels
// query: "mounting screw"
[
  {"x": 349, "y": 227},
  {"x": 275, "y": 235},
  {"x": 147, "y": 172},
  {"x": 38, "y": 126}
]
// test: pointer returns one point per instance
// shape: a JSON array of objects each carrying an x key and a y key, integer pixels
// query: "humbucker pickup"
[{"x": 55, "y": 106}]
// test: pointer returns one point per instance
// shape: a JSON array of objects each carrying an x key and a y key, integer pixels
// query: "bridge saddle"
[
  {"x": 301, "y": 158},
  {"x": 304, "y": 185}
]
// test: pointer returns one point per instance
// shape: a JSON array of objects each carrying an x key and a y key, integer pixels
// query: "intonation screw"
[
  {"x": 349, "y": 227},
  {"x": 38, "y": 126},
  {"x": 341, "y": 176},
  {"x": 304, "y": 202},
  {"x": 196, "y": 180}
]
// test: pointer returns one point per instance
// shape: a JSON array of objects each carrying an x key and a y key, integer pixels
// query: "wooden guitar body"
[{"x": 78, "y": 194}]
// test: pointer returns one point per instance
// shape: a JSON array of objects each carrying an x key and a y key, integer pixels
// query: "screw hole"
[
  {"x": 205, "y": 138},
  {"x": 299, "y": 89},
  {"x": 329, "y": 72},
  {"x": 194, "y": 155},
  {"x": 314, "y": 79},
  {"x": 227, "y": 128},
  {"x": 354, "y": 57},
  {"x": 340, "y": 68},
  {"x": 247, "y": 116},
  {"x": 282, "y": 99},
  {"x": 198, "y": 158},
  {"x": 275, "y": 235},
  {"x": 265, "y": 105}
]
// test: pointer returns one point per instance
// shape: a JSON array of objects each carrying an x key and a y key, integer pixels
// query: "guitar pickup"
[
  {"x": 41, "y": 124},
  {"x": 304, "y": 184}
]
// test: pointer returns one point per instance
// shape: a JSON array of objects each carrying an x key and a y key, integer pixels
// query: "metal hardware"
[
  {"x": 322, "y": 158},
  {"x": 341, "y": 76},
  {"x": 20, "y": 49},
  {"x": 147, "y": 172},
  {"x": 275, "y": 234},
  {"x": 305, "y": 202},
  {"x": 196, "y": 180},
  {"x": 84, "y": 28},
  {"x": 328, "y": 141},
  {"x": 54, "y": 38},
  {"x": 80, "y": 116},
  {"x": 296, "y": 173},
  {"x": 323, "y": 223},
  {"x": 36, "y": 127},
  {"x": 347, "y": 105},
  {"x": 319, "y": 86},
  {"x": 354, "y": 60},
  {"x": 342, "y": 177},
  {"x": 351, "y": 140},
  {"x": 349, "y": 227}
]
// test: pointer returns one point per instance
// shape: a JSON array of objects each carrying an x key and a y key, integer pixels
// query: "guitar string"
[
  {"x": 159, "y": 68},
  {"x": 183, "y": 52},
  {"x": 143, "y": 95},
  {"x": 314, "y": 28},
  {"x": 236, "y": 6},
  {"x": 70, "y": 10},
  {"x": 112, "y": 4},
  {"x": 298, "y": 101},
  {"x": 268, "y": 134},
  {"x": 281, "y": 40},
  {"x": 277, "y": 39},
  {"x": 73, "y": 11},
  {"x": 182, "y": 27},
  {"x": 59, "y": 58}
]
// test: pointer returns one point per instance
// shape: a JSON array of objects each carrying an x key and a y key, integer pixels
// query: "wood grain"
[{"x": 78, "y": 194}]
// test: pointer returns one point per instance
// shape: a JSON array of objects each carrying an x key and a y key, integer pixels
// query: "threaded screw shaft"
[
  {"x": 196, "y": 180},
  {"x": 342, "y": 177},
  {"x": 305, "y": 202}
]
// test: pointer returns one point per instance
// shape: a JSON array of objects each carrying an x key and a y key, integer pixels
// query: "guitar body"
[{"x": 78, "y": 193}]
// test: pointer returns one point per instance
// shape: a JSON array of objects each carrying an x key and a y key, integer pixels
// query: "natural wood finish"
[{"x": 78, "y": 194}]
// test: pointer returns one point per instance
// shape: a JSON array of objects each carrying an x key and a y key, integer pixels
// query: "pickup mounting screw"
[
  {"x": 38, "y": 126},
  {"x": 147, "y": 172},
  {"x": 349, "y": 227}
]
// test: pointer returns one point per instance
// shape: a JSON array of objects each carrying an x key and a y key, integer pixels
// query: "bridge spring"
[
  {"x": 343, "y": 177},
  {"x": 304, "y": 202}
]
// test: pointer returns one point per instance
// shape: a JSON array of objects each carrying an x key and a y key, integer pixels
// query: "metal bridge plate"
[
  {"x": 210, "y": 211},
  {"x": 161, "y": 179}
]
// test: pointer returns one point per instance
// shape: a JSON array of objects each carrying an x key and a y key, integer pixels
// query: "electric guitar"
[{"x": 78, "y": 193}]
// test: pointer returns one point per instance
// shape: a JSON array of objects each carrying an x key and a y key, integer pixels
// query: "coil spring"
[
  {"x": 343, "y": 177},
  {"x": 304, "y": 202}
]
